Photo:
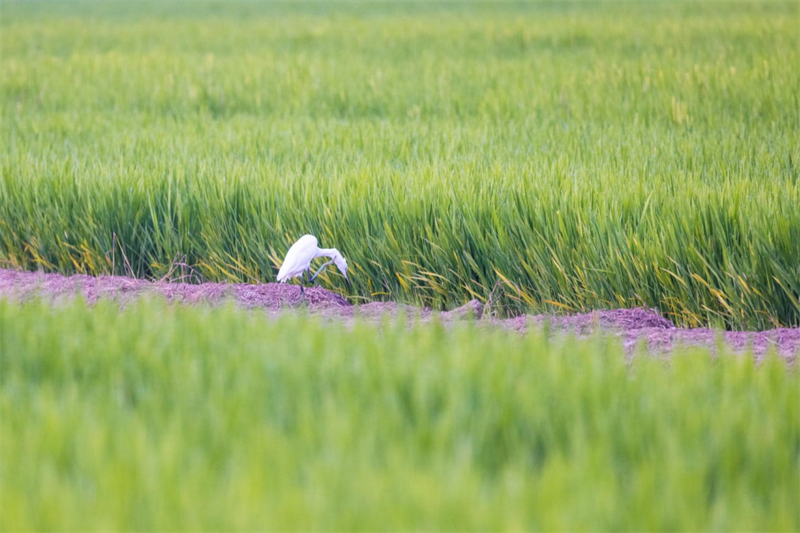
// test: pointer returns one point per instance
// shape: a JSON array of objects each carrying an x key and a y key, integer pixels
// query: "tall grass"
[
  {"x": 162, "y": 417},
  {"x": 580, "y": 155}
]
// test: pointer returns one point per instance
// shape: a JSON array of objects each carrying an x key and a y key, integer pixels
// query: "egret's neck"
[{"x": 328, "y": 252}]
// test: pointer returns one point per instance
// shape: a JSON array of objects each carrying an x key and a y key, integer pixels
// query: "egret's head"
[{"x": 341, "y": 264}]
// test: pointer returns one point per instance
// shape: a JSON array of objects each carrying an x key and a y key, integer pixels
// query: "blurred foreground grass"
[
  {"x": 165, "y": 417},
  {"x": 582, "y": 155}
]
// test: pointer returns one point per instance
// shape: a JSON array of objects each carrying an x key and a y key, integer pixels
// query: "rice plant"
[
  {"x": 165, "y": 417},
  {"x": 575, "y": 155}
]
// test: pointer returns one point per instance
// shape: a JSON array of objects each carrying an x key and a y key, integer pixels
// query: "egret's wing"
[{"x": 298, "y": 258}]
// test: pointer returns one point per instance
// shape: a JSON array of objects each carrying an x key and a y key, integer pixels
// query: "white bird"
[{"x": 298, "y": 261}]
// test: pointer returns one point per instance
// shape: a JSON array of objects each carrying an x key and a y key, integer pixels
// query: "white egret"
[{"x": 298, "y": 261}]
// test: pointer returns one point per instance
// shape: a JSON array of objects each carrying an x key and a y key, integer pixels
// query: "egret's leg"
[
  {"x": 320, "y": 270},
  {"x": 302, "y": 288}
]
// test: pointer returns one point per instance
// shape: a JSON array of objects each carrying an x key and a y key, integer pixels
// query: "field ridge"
[{"x": 632, "y": 325}]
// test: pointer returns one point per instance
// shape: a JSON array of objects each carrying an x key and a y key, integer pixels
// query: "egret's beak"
[{"x": 348, "y": 280}]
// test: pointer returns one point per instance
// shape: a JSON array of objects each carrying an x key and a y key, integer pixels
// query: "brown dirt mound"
[
  {"x": 632, "y": 325},
  {"x": 270, "y": 296}
]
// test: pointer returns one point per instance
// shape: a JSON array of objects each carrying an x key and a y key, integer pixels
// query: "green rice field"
[
  {"x": 576, "y": 155},
  {"x": 539, "y": 156},
  {"x": 164, "y": 418}
]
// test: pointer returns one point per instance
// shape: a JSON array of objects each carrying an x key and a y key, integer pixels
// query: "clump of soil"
[
  {"x": 270, "y": 296},
  {"x": 634, "y": 326}
]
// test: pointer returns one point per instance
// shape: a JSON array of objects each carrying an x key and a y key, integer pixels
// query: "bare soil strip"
[{"x": 632, "y": 325}]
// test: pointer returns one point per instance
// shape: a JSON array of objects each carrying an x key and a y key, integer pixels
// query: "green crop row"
[
  {"x": 551, "y": 156},
  {"x": 194, "y": 418}
]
